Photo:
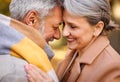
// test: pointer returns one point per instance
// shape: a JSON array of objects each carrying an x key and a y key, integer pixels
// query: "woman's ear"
[
  {"x": 98, "y": 28},
  {"x": 31, "y": 18}
]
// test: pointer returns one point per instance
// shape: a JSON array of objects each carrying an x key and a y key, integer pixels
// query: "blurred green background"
[
  {"x": 4, "y": 7},
  {"x": 59, "y": 46}
]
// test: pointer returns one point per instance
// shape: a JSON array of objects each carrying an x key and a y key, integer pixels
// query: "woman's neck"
[{"x": 81, "y": 51}]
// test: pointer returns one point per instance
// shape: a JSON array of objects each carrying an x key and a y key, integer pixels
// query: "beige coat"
[{"x": 99, "y": 63}]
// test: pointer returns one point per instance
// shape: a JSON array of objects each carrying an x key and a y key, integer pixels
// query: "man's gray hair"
[{"x": 19, "y": 8}]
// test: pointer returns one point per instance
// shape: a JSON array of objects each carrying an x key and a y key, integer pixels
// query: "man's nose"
[{"x": 57, "y": 34}]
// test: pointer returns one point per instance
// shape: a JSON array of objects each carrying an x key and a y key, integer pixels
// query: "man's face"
[{"x": 49, "y": 26}]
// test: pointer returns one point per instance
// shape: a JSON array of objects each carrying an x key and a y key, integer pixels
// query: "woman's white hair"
[{"x": 93, "y": 10}]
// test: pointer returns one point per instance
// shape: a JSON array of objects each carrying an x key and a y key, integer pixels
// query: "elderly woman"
[{"x": 91, "y": 57}]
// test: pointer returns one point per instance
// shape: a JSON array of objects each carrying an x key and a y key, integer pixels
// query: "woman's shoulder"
[{"x": 112, "y": 53}]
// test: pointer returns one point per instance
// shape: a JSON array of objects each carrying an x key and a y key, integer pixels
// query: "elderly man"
[
  {"x": 43, "y": 15},
  {"x": 41, "y": 20}
]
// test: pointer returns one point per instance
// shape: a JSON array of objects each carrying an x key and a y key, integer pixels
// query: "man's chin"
[
  {"x": 48, "y": 41},
  {"x": 51, "y": 41}
]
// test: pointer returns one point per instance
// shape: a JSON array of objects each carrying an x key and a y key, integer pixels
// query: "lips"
[{"x": 70, "y": 40}]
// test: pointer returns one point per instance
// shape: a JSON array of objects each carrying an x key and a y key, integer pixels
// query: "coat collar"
[
  {"x": 87, "y": 58},
  {"x": 94, "y": 50}
]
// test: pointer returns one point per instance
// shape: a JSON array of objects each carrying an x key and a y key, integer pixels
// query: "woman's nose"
[{"x": 65, "y": 31}]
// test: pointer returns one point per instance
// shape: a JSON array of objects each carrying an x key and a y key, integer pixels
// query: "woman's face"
[{"x": 78, "y": 32}]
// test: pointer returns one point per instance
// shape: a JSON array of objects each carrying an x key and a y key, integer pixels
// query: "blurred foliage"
[
  {"x": 115, "y": 7},
  {"x": 4, "y": 7}
]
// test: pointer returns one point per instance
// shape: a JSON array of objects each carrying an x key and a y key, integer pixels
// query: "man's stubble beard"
[{"x": 41, "y": 28}]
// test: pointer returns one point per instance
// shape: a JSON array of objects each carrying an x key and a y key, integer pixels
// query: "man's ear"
[
  {"x": 31, "y": 18},
  {"x": 98, "y": 28}
]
